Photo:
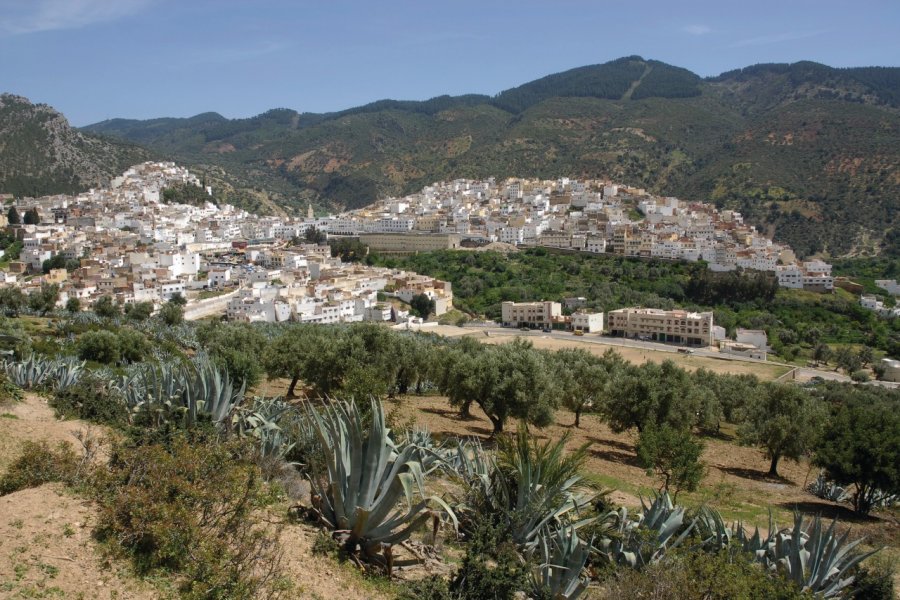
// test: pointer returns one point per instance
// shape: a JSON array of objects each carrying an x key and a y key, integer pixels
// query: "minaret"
[{"x": 309, "y": 212}]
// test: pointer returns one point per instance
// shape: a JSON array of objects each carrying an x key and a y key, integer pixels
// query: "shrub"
[
  {"x": 39, "y": 464},
  {"x": 693, "y": 575},
  {"x": 133, "y": 346},
  {"x": 492, "y": 567},
  {"x": 430, "y": 588},
  {"x": 9, "y": 392},
  {"x": 859, "y": 376},
  {"x": 875, "y": 581},
  {"x": 191, "y": 505},
  {"x": 100, "y": 346},
  {"x": 91, "y": 399}
]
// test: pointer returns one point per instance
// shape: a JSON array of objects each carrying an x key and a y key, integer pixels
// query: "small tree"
[
  {"x": 12, "y": 300},
  {"x": 13, "y": 217},
  {"x": 178, "y": 299},
  {"x": 861, "y": 446},
  {"x": 106, "y": 307},
  {"x": 847, "y": 359},
  {"x": 101, "y": 346},
  {"x": 783, "y": 420},
  {"x": 44, "y": 300},
  {"x": 865, "y": 356},
  {"x": 673, "y": 455},
  {"x": 139, "y": 311},
  {"x": 422, "y": 305},
  {"x": 73, "y": 305},
  {"x": 822, "y": 353},
  {"x": 32, "y": 217},
  {"x": 172, "y": 313},
  {"x": 584, "y": 379}
]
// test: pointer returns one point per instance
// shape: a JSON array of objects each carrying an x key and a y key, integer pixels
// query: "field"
[
  {"x": 736, "y": 482},
  {"x": 765, "y": 372}
]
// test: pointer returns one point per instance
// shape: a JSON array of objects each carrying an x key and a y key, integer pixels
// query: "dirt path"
[
  {"x": 46, "y": 550},
  {"x": 32, "y": 419}
]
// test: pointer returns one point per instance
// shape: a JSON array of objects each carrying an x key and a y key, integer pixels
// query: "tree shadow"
[
  {"x": 828, "y": 510},
  {"x": 449, "y": 413},
  {"x": 623, "y": 446},
  {"x": 616, "y": 456},
  {"x": 755, "y": 475}
]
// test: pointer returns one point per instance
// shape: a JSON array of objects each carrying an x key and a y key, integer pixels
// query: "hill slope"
[
  {"x": 41, "y": 154},
  {"x": 807, "y": 152}
]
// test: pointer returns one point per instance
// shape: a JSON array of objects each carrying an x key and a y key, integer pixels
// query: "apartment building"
[
  {"x": 530, "y": 314},
  {"x": 398, "y": 243},
  {"x": 675, "y": 326},
  {"x": 587, "y": 322}
]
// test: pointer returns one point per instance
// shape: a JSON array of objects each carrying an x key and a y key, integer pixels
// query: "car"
[
  {"x": 578, "y": 332},
  {"x": 547, "y": 330},
  {"x": 685, "y": 351}
]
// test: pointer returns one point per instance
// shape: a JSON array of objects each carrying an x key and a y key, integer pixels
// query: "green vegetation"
[
  {"x": 79, "y": 161},
  {"x": 197, "y": 471},
  {"x": 796, "y": 322},
  {"x": 803, "y": 149}
]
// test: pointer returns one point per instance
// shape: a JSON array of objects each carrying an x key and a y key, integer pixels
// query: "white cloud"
[
  {"x": 697, "y": 29},
  {"x": 31, "y": 16},
  {"x": 777, "y": 38}
]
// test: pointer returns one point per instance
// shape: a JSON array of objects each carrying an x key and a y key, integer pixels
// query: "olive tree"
[{"x": 784, "y": 421}]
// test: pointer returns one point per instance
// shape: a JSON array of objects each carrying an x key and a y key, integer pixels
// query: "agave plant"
[
  {"x": 815, "y": 559},
  {"x": 712, "y": 530},
  {"x": 66, "y": 372},
  {"x": 531, "y": 485},
  {"x": 647, "y": 539},
  {"x": 359, "y": 495},
  {"x": 827, "y": 490},
  {"x": 263, "y": 421},
  {"x": 563, "y": 557},
  {"x": 168, "y": 391},
  {"x": 31, "y": 372}
]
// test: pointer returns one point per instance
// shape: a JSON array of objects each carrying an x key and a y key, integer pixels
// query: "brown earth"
[
  {"x": 46, "y": 550},
  {"x": 736, "y": 482},
  {"x": 46, "y": 544}
]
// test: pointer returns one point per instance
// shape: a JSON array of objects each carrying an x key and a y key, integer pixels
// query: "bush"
[
  {"x": 492, "y": 568},
  {"x": 9, "y": 392},
  {"x": 100, "y": 346},
  {"x": 91, "y": 399},
  {"x": 192, "y": 506},
  {"x": 696, "y": 575},
  {"x": 133, "y": 346},
  {"x": 875, "y": 581},
  {"x": 39, "y": 464},
  {"x": 859, "y": 376},
  {"x": 430, "y": 588}
]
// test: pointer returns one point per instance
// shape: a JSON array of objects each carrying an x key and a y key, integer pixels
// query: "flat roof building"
[{"x": 671, "y": 326}]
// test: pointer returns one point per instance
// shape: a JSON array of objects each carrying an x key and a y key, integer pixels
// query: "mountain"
[
  {"x": 807, "y": 152},
  {"x": 40, "y": 153}
]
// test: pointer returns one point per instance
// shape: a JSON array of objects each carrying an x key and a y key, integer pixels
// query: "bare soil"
[
  {"x": 737, "y": 481},
  {"x": 46, "y": 550}
]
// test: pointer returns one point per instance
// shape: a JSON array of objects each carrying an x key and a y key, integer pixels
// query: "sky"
[{"x": 99, "y": 59}]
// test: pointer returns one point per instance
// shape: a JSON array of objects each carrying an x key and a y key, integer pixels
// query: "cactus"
[{"x": 827, "y": 490}]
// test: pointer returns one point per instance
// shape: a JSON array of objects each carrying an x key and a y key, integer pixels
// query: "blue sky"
[{"x": 98, "y": 59}]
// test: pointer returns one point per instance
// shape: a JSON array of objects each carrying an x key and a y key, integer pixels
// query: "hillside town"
[
  {"x": 126, "y": 242},
  {"x": 595, "y": 216},
  {"x": 129, "y": 243}
]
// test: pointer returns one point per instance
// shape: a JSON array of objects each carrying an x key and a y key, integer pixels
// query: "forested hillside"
[
  {"x": 41, "y": 154},
  {"x": 808, "y": 152}
]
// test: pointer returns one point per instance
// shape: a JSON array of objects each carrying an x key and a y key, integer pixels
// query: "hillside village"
[
  {"x": 594, "y": 216},
  {"x": 127, "y": 242}
]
